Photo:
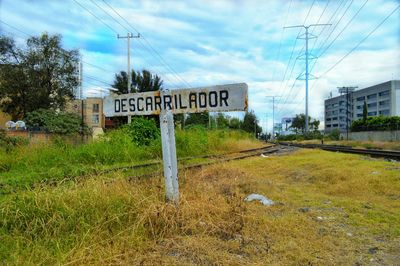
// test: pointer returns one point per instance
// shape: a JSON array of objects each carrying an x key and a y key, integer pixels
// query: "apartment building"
[
  {"x": 382, "y": 100},
  {"x": 91, "y": 109}
]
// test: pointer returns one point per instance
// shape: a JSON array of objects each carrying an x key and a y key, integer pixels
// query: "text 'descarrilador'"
[{"x": 232, "y": 97}]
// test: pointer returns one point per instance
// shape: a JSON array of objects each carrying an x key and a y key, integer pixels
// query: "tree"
[
  {"x": 55, "y": 122},
  {"x": 197, "y": 119},
  {"x": 250, "y": 123},
  {"x": 235, "y": 123},
  {"x": 221, "y": 121},
  {"x": 299, "y": 123},
  {"x": 365, "y": 111},
  {"x": 43, "y": 75},
  {"x": 141, "y": 82}
]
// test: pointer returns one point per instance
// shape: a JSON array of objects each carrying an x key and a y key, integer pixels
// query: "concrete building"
[
  {"x": 91, "y": 109},
  {"x": 382, "y": 100}
]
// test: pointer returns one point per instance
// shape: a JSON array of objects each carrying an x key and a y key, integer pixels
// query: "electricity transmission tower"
[
  {"x": 128, "y": 37},
  {"x": 306, "y": 36}
]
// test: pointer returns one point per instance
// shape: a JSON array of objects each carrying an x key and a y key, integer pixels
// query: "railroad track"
[
  {"x": 237, "y": 155},
  {"x": 347, "y": 149}
]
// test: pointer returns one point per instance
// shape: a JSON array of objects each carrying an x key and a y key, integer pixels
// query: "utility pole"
[
  {"x": 348, "y": 99},
  {"x": 81, "y": 96},
  {"x": 128, "y": 37},
  {"x": 307, "y": 37},
  {"x": 273, "y": 115}
]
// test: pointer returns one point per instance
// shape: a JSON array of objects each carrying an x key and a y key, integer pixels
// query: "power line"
[
  {"x": 90, "y": 12},
  {"x": 150, "y": 46},
  {"x": 291, "y": 54},
  {"x": 355, "y": 47},
  {"x": 358, "y": 44},
  {"x": 15, "y": 28},
  {"x": 110, "y": 15},
  {"x": 344, "y": 28},
  {"x": 165, "y": 77},
  {"x": 105, "y": 11},
  {"x": 280, "y": 42},
  {"x": 329, "y": 21},
  {"x": 97, "y": 79}
]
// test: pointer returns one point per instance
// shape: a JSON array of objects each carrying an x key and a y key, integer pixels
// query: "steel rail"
[{"x": 348, "y": 149}]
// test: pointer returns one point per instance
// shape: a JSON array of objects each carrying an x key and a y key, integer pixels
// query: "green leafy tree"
[
  {"x": 299, "y": 124},
  {"x": 250, "y": 123},
  {"x": 141, "y": 82},
  {"x": 55, "y": 122},
  {"x": 222, "y": 121},
  {"x": 365, "y": 111},
  {"x": 197, "y": 119},
  {"x": 235, "y": 123},
  {"x": 42, "y": 75}
]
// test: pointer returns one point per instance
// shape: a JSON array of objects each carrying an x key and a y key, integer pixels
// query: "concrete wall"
[
  {"x": 42, "y": 137},
  {"x": 373, "y": 135},
  {"x": 3, "y": 119}
]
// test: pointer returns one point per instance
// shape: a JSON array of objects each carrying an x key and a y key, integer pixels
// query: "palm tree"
[{"x": 141, "y": 82}]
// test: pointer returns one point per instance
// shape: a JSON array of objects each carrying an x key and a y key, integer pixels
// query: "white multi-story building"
[{"x": 382, "y": 100}]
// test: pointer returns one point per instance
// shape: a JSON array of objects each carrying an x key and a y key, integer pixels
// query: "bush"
[
  {"x": 142, "y": 131},
  {"x": 53, "y": 122},
  {"x": 376, "y": 123},
  {"x": 300, "y": 137},
  {"x": 8, "y": 143},
  {"x": 334, "y": 134}
]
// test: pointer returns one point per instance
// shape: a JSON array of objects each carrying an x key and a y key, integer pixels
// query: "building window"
[
  {"x": 328, "y": 119},
  {"x": 372, "y": 96},
  {"x": 372, "y": 113},
  {"x": 334, "y": 118},
  {"x": 335, "y": 125},
  {"x": 95, "y": 108},
  {"x": 383, "y": 103},
  {"x": 360, "y": 99},
  {"x": 359, "y": 115},
  {"x": 384, "y": 112},
  {"x": 372, "y": 105},
  {"x": 359, "y": 107},
  {"x": 384, "y": 93},
  {"x": 95, "y": 119}
]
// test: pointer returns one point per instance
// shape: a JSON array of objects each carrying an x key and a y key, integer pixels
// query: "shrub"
[
  {"x": 142, "y": 131},
  {"x": 53, "y": 122},
  {"x": 376, "y": 123},
  {"x": 8, "y": 143},
  {"x": 334, "y": 134}
]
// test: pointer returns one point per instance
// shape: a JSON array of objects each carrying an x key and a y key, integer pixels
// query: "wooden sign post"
[{"x": 221, "y": 98}]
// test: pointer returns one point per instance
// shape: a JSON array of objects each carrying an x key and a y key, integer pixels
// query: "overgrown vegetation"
[
  {"x": 300, "y": 137},
  {"x": 55, "y": 122},
  {"x": 330, "y": 209},
  {"x": 28, "y": 166},
  {"x": 376, "y": 123},
  {"x": 142, "y": 131},
  {"x": 7, "y": 144}
]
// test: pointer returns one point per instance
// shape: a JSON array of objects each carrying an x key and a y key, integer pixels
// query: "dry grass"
[{"x": 113, "y": 221}]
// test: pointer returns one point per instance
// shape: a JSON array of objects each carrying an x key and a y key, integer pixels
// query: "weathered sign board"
[
  {"x": 220, "y": 98},
  {"x": 232, "y": 97}
]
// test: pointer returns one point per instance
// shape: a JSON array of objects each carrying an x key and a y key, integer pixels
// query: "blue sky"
[{"x": 209, "y": 42}]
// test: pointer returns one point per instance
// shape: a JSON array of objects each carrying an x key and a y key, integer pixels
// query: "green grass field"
[{"x": 331, "y": 209}]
